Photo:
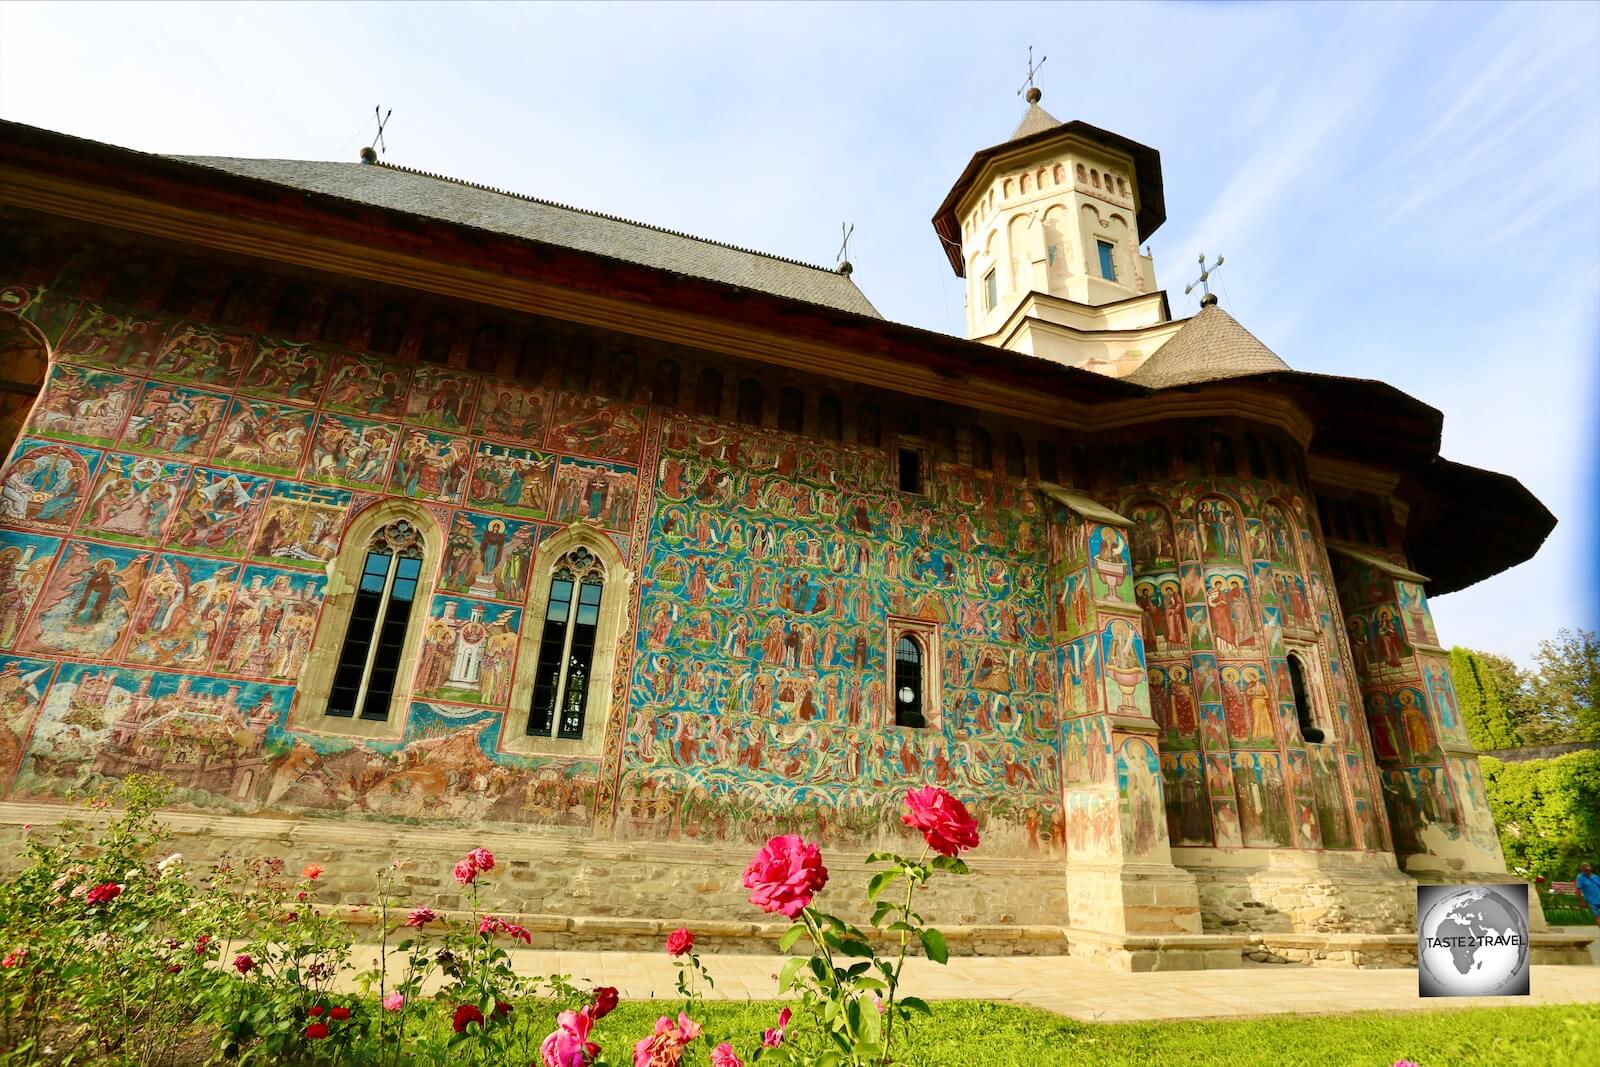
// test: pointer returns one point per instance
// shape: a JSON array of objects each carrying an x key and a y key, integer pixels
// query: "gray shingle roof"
[
  {"x": 449, "y": 200},
  {"x": 1037, "y": 120},
  {"x": 1209, "y": 347}
]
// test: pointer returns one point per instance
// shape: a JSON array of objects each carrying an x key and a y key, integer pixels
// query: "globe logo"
[{"x": 1472, "y": 941}]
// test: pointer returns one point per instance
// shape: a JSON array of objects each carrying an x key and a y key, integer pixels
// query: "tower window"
[
  {"x": 369, "y": 660},
  {"x": 1302, "y": 701},
  {"x": 566, "y": 647},
  {"x": 991, "y": 291},
  {"x": 1108, "y": 262},
  {"x": 909, "y": 683},
  {"x": 910, "y": 470}
]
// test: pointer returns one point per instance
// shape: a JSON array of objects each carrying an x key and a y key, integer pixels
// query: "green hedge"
[{"x": 1548, "y": 812}]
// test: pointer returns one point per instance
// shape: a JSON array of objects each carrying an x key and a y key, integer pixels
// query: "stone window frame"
[
  {"x": 1313, "y": 666},
  {"x": 609, "y": 633},
  {"x": 309, "y": 713},
  {"x": 925, "y": 632}
]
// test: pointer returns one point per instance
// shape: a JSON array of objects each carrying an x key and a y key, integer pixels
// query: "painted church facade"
[{"x": 380, "y": 512}]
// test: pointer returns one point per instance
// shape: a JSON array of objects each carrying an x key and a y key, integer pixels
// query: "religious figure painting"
[
  {"x": 201, "y": 355},
  {"x": 292, "y": 371},
  {"x": 1332, "y": 816},
  {"x": 1441, "y": 697},
  {"x": 351, "y": 452},
  {"x": 1187, "y": 798},
  {"x": 602, "y": 493},
  {"x": 1414, "y": 611},
  {"x": 1225, "y": 820},
  {"x": 1092, "y": 824},
  {"x": 45, "y": 483},
  {"x": 1080, "y": 673},
  {"x": 25, "y": 561},
  {"x": 593, "y": 426},
  {"x": 263, "y": 437},
  {"x": 1153, "y": 543},
  {"x": 442, "y": 399},
  {"x": 1219, "y": 531},
  {"x": 219, "y": 512},
  {"x": 1139, "y": 796},
  {"x": 1262, "y": 799},
  {"x": 85, "y": 608},
  {"x": 84, "y": 406},
  {"x": 23, "y": 683},
  {"x": 1411, "y": 713},
  {"x": 1236, "y": 628},
  {"x": 301, "y": 524},
  {"x": 104, "y": 338},
  {"x": 512, "y": 411},
  {"x": 1122, "y": 655},
  {"x": 368, "y": 385},
  {"x": 467, "y": 651},
  {"x": 1250, "y": 705},
  {"x": 133, "y": 499},
  {"x": 174, "y": 422},
  {"x": 269, "y": 631},
  {"x": 488, "y": 557},
  {"x": 1108, "y": 560},
  {"x": 179, "y": 618},
  {"x": 431, "y": 466},
  {"x": 516, "y": 481},
  {"x": 1213, "y": 728}
]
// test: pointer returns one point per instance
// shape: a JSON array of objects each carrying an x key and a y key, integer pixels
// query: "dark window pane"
[
  {"x": 580, "y": 663},
  {"x": 908, "y": 684},
  {"x": 386, "y": 660},
  {"x": 547, "y": 677},
  {"x": 910, "y": 470}
]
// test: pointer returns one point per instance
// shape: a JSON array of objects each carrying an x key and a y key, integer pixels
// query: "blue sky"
[{"x": 1409, "y": 193}]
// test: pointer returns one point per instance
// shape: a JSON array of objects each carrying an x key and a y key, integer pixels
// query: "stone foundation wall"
[
  {"x": 1304, "y": 893},
  {"x": 580, "y": 893}
]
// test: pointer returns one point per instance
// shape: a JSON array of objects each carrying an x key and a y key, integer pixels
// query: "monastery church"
[{"x": 387, "y": 515}]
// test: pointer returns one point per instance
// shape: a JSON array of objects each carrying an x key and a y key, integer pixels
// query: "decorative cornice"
[{"x": 1346, "y": 474}]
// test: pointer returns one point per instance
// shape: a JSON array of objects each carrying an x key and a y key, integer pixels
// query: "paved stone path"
[{"x": 1080, "y": 988}]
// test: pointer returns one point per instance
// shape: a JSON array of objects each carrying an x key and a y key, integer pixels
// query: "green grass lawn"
[{"x": 986, "y": 1034}]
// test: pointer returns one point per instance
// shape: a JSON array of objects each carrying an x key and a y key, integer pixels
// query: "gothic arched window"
[
  {"x": 909, "y": 683},
  {"x": 565, "y": 666},
  {"x": 1302, "y": 700},
  {"x": 364, "y": 680}
]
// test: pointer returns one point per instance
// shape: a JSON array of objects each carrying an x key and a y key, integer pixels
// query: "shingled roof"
[
  {"x": 1037, "y": 120},
  {"x": 464, "y": 203},
  {"x": 1208, "y": 348}
]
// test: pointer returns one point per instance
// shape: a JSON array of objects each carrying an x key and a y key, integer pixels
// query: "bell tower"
[{"x": 1046, "y": 229}]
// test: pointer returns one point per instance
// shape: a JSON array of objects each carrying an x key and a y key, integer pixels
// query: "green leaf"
[
  {"x": 790, "y": 969},
  {"x": 882, "y": 910},
  {"x": 953, "y": 864},
  {"x": 790, "y": 936},
  {"x": 855, "y": 948},
  {"x": 933, "y": 944},
  {"x": 916, "y": 1004},
  {"x": 885, "y": 857},
  {"x": 881, "y": 881}
]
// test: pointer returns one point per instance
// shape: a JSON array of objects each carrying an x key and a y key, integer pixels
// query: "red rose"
[
  {"x": 943, "y": 820},
  {"x": 466, "y": 871},
  {"x": 679, "y": 942},
  {"x": 104, "y": 893},
  {"x": 605, "y": 999},
  {"x": 316, "y": 1031},
  {"x": 339, "y": 1014},
  {"x": 465, "y": 1016},
  {"x": 482, "y": 859},
  {"x": 784, "y": 874},
  {"x": 314, "y": 1011},
  {"x": 313, "y": 871},
  {"x": 243, "y": 964},
  {"x": 501, "y": 1009}
]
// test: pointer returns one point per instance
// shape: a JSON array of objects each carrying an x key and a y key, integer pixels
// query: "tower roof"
[
  {"x": 1211, "y": 346},
  {"x": 1037, "y": 127}
]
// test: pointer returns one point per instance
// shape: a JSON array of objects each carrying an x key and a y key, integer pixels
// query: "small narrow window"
[
  {"x": 1302, "y": 701},
  {"x": 910, "y": 470},
  {"x": 991, "y": 291},
  {"x": 1258, "y": 459},
  {"x": 1016, "y": 466},
  {"x": 1222, "y": 459},
  {"x": 791, "y": 410},
  {"x": 1108, "y": 262},
  {"x": 751, "y": 402},
  {"x": 380, "y": 619},
  {"x": 1049, "y": 466},
  {"x": 566, "y": 647},
  {"x": 910, "y": 683},
  {"x": 1280, "y": 469}
]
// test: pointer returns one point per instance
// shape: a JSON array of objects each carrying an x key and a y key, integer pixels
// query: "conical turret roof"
[
  {"x": 1211, "y": 346},
  {"x": 1037, "y": 120}
]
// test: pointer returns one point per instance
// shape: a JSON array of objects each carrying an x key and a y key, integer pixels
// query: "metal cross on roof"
[
  {"x": 844, "y": 245},
  {"x": 383, "y": 120},
  {"x": 1204, "y": 281},
  {"x": 1032, "y": 70}
]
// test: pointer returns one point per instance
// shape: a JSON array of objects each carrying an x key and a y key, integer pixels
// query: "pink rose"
[
  {"x": 394, "y": 1002},
  {"x": 482, "y": 859},
  {"x": 420, "y": 917},
  {"x": 104, "y": 893},
  {"x": 724, "y": 1056},
  {"x": 313, "y": 871},
  {"x": 14, "y": 957},
  {"x": 568, "y": 1045},
  {"x": 784, "y": 874},
  {"x": 466, "y": 871},
  {"x": 943, "y": 820},
  {"x": 664, "y": 1048},
  {"x": 679, "y": 942},
  {"x": 772, "y": 1037},
  {"x": 490, "y": 925}
]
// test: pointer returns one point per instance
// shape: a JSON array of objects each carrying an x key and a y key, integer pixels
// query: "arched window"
[
  {"x": 708, "y": 393},
  {"x": 564, "y": 672},
  {"x": 910, "y": 683},
  {"x": 830, "y": 417},
  {"x": 365, "y": 677},
  {"x": 791, "y": 410},
  {"x": 1302, "y": 700},
  {"x": 751, "y": 401},
  {"x": 665, "y": 391},
  {"x": 1016, "y": 465},
  {"x": 982, "y": 449},
  {"x": 566, "y": 646},
  {"x": 577, "y": 373}
]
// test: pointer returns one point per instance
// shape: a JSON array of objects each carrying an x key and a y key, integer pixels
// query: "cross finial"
[
  {"x": 1204, "y": 281},
  {"x": 1033, "y": 69},
  {"x": 843, "y": 258}
]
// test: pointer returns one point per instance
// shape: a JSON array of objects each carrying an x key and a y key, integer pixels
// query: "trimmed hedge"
[{"x": 1548, "y": 812}]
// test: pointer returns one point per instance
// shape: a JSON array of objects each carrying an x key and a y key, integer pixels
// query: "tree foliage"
[
  {"x": 1548, "y": 812},
  {"x": 1566, "y": 687},
  {"x": 1481, "y": 685}
]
